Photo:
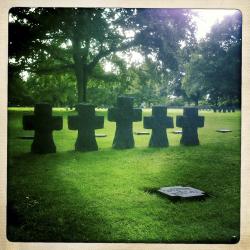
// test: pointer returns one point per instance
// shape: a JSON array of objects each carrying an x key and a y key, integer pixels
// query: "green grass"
[{"x": 101, "y": 196}]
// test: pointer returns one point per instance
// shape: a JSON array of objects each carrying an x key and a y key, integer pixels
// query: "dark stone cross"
[
  {"x": 158, "y": 122},
  {"x": 124, "y": 115},
  {"x": 85, "y": 122},
  {"x": 224, "y": 109},
  {"x": 190, "y": 122},
  {"x": 43, "y": 123}
]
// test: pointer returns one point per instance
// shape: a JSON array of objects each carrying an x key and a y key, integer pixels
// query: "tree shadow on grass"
[
  {"x": 46, "y": 205},
  {"x": 64, "y": 202}
]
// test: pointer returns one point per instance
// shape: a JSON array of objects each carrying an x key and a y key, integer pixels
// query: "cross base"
[
  {"x": 86, "y": 142},
  {"x": 158, "y": 139},
  {"x": 123, "y": 137},
  {"x": 43, "y": 143}
]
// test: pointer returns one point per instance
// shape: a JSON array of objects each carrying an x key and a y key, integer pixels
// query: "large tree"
[
  {"x": 215, "y": 67},
  {"x": 75, "y": 40},
  {"x": 193, "y": 82},
  {"x": 222, "y": 53}
]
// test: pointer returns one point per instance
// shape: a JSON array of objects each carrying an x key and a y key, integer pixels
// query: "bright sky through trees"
[{"x": 206, "y": 18}]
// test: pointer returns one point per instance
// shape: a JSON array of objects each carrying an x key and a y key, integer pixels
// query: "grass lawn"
[{"x": 102, "y": 196}]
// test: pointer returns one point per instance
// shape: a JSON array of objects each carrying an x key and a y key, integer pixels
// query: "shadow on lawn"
[
  {"x": 58, "y": 209},
  {"x": 44, "y": 206}
]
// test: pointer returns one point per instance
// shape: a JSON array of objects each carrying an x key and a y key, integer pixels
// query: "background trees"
[
  {"x": 64, "y": 52},
  {"x": 214, "y": 70},
  {"x": 75, "y": 40}
]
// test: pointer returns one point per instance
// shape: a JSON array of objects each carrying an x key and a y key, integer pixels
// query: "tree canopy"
[
  {"x": 55, "y": 40},
  {"x": 64, "y": 52},
  {"x": 215, "y": 67}
]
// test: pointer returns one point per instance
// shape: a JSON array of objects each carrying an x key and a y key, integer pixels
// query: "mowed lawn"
[{"x": 102, "y": 196}]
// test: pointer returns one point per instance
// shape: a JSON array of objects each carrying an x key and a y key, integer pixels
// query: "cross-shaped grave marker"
[
  {"x": 85, "y": 122},
  {"x": 158, "y": 122},
  {"x": 124, "y": 115},
  {"x": 190, "y": 122},
  {"x": 43, "y": 123}
]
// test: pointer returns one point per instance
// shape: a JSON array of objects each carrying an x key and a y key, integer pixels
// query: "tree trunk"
[
  {"x": 82, "y": 80},
  {"x": 80, "y": 71}
]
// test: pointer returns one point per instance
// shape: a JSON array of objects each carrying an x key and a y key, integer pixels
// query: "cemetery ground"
[{"x": 104, "y": 196}]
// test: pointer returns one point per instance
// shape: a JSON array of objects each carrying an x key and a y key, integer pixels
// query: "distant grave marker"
[
  {"x": 190, "y": 122},
  {"x": 158, "y": 122},
  {"x": 223, "y": 130},
  {"x": 178, "y": 132},
  {"x": 215, "y": 108},
  {"x": 124, "y": 115},
  {"x": 100, "y": 135},
  {"x": 85, "y": 122},
  {"x": 142, "y": 133},
  {"x": 181, "y": 192},
  {"x": 43, "y": 123}
]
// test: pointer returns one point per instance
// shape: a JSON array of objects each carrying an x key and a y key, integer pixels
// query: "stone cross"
[
  {"x": 43, "y": 123},
  {"x": 158, "y": 122},
  {"x": 224, "y": 109},
  {"x": 190, "y": 122},
  {"x": 85, "y": 122},
  {"x": 124, "y": 115}
]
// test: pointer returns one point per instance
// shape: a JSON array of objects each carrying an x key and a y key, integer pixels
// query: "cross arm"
[
  {"x": 57, "y": 123},
  {"x": 169, "y": 122},
  {"x": 137, "y": 115},
  {"x": 28, "y": 122},
  {"x": 147, "y": 122},
  {"x": 112, "y": 114},
  {"x": 73, "y": 122},
  {"x": 200, "y": 121},
  {"x": 179, "y": 121},
  {"x": 99, "y": 122}
]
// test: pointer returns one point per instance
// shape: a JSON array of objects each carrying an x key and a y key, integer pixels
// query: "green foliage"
[
  {"x": 59, "y": 90},
  {"x": 193, "y": 82},
  {"x": 215, "y": 69},
  {"x": 18, "y": 92},
  {"x": 149, "y": 83},
  {"x": 74, "y": 40}
]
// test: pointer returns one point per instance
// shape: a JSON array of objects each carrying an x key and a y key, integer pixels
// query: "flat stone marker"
[
  {"x": 100, "y": 135},
  {"x": 85, "y": 122},
  {"x": 223, "y": 130},
  {"x": 181, "y": 192},
  {"x": 177, "y": 132},
  {"x": 124, "y": 115},
  {"x": 190, "y": 122},
  {"x": 158, "y": 122},
  {"x": 142, "y": 133},
  {"x": 43, "y": 123}
]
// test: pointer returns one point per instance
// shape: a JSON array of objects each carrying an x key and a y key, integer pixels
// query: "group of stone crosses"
[
  {"x": 224, "y": 108},
  {"x": 43, "y": 123}
]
